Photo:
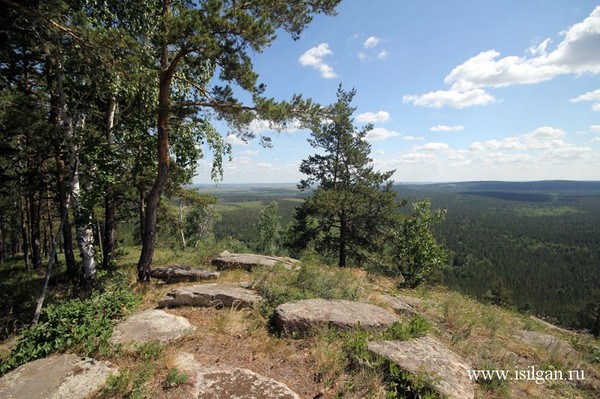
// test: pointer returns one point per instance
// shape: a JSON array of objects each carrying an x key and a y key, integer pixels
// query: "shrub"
[{"x": 86, "y": 324}]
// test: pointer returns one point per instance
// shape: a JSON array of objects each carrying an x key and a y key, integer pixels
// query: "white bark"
[{"x": 83, "y": 222}]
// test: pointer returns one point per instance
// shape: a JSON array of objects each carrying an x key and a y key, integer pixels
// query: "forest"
[{"x": 532, "y": 246}]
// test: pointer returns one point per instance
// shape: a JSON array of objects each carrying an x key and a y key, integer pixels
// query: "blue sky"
[{"x": 456, "y": 90}]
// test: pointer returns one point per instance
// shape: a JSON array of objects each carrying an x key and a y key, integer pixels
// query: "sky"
[{"x": 456, "y": 90}]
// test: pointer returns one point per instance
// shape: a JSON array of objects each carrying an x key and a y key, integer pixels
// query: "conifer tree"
[{"x": 353, "y": 206}]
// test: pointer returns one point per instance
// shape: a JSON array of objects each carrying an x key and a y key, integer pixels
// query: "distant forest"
[{"x": 531, "y": 246}]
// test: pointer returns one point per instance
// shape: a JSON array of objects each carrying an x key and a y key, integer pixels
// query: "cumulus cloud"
[
  {"x": 577, "y": 54},
  {"x": 445, "y": 128},
  {"x": 412, "y": 138},
  {"x": 371, "y": 42},
  {"x": 263, "y": 126},
  {"x": 235, "y": 140},
  {"x": 595, "y": 128},
  {"x": 433, "y": 147},
  {"x": 314, "y": 58},
  {"x": 382, "y": 55},
  {"x": 451, "y": 98},
  {"x": 589, "y": 96},
  {"x": 596, "y": 140},
  {"x": 372, "y": 117},
  {"x": 380, "y": 134}
]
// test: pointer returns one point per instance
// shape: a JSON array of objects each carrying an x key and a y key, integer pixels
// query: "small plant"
[
  {"x": 494, "y": 383},
  {"x": 85, "y": 325},
  {"x": 416, "y": 327},
  {"x": 175, "y": 378}
]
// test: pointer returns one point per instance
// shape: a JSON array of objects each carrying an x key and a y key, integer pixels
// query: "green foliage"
[
  {"x": 175, "y": 378},
  {"x": 349, "y": 213},
  {"x": 399, "y": 383},
  {"x": 85, "y": 325},
  {"x": 269, "y": 229},
  {"x": 415, "y": 253},
  {"x": 279, "y": 285},
  {"x": 495, "y": 384}
]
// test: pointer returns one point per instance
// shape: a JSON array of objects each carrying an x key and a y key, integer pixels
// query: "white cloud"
[
  {"x": 372, "y": 117},
  {"x": 249, "y": 152},
  {"x": 380, "y": 134},
  {"x": 382, "y": 55},
  {"x": 589, "y": 96},
  {"x": 412, "y": 138},
  {"x": 235, "y": 140},
  {"x": 362, "y": 56},
  {"x": 577, "y": 54},
  {"x": 433, "y": 147},
  {"x": 313, "y": 58},
  {"x": 452, "y": 98},
  {"x": 596, "y": 140},
  {"x": 264, "y": 165},
  {"x": 595, "y": 128},
  {"x": 371, "y": 42},
  {"x": 263, "y": 126},
  {"x": 445, "y": 128}
]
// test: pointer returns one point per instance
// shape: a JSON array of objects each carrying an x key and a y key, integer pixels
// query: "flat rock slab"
[
  {"x": 302, "y": 316},
  {"x": 230, "y": 382},
  {"x": 227, "y": 260},
  {"x": 57, "y": 377},
  {"x": 547, "y": 341},
  {"x": 210, "y": 295},
  {"x": 445, "y": 371},
  {"x": 150, "y": 325},
  {"x": 399, "y": 306},
  {"x": 177, "y": 274}
]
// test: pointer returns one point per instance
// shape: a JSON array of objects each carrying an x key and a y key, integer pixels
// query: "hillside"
[
  {"x": 535, "y": 243},
  {"x": 329, "y": 364}
]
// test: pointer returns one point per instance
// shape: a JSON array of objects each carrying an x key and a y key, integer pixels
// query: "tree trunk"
[
  {"x": 34, "y": 229},
  {"x": 343, "y": 233},
  {"x": 24, "y": 232},
  {"x": 83, "y": 222},
  {"x": 142, "y": 212},
  {"x": 108, "y": 244},
  {"x": 181, "y": 225},
  {"x": 153, "y": 200}
]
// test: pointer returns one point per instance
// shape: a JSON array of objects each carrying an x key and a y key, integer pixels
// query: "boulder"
[
  {"x": 227, "y": 260},
  {"x": 209, "y": 295},
  {"x": 150, "y": 325},
  {"x": 399, "y": 306},
  {"x": 64, "y": 376},
  {"x": 446, "y": 372},
  {"x": 302, "y": 316},
  {"x": 176, "y": 274},
  {"x": 225, "y": 382},
  {"x": 547, "y": 341}
]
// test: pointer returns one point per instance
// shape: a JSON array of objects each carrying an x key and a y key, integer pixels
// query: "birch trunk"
[
  {"x": 83, "y": 222},
  {"x": 108, "y": 243}
]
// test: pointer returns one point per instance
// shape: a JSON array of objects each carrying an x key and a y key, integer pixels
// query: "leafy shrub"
[
  {"x": 175, "y": 378},
  {"x": 279, "y": 285},
  {"x": 86, "y": 324}
]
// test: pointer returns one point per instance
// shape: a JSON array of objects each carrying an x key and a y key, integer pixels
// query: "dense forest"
[{"x": 531, "y": 246}]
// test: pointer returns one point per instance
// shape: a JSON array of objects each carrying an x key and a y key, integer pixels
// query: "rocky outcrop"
[
  {"x": 302, "y": 316},
  {"x": 230, "y": 382},
  {"x": 546, "y": 341},
  {"x": 445, "y": 371},
  {"x": 150, "y": 325},
  {"x": 210, "y": 295},
  {"x": 57, "y": 377},
  {"x": 177, "y": 274},
  {"x": 399, "y": 306},
  {"x": 227, "y": 260}
]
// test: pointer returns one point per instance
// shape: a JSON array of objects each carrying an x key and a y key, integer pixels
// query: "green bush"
[
  {"x": 279, "y": 285},
  {"x": 86, "y": 324}
]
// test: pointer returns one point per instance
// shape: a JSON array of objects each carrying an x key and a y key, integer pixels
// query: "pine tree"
[{"x": 353, "y": 206}]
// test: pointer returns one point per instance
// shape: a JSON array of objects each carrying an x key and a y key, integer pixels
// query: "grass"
[{"x": 330, "y": 363}]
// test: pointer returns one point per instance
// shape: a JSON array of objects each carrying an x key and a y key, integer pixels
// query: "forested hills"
[{"x": 532, "y": 246}]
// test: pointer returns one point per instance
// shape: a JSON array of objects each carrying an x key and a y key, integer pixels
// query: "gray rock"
[
  {"x": 57, "y": 377},
  {"x": 209, "y": 295},
  {"x": 445, "y": 371},
  {"x": 150, "y": 325},
  {"x": 230, "y": 382},
  {"x": 302, "y": 316},
  {"x": 176, "y": 274},
  {"x": 227, "y": 260},
  {"x": 399, "y": 306},
  {"x": 547, "y": 341}
]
